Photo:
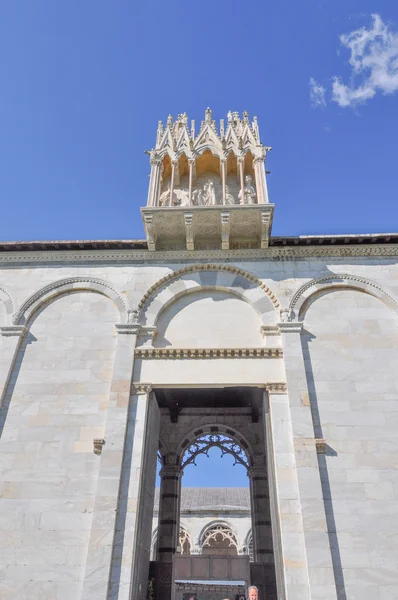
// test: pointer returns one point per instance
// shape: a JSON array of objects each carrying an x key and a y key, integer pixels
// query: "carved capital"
[
  {"x": 98, "y": 444},
  {"x": 141, "y": 388},
  {"x": 155, "y": 161},
  {"x": 225, "y": 230},
  {"x": 276, "y": 388},
  {"x": 13, "y": 331},
  {"x": 291, "y": 327},
  {"x": 171, "y": 465},
  {"x": 320, "y": 445}
]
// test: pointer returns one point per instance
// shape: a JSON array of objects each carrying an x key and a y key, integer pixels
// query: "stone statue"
[
  {"x": 182, "y": 197},
  {"x": 229, "y": 199},
  {"x": 249, "y": 193},
  {"x": 197, "y": 197},
  {"x": 134, "y": 316},
  {"x": 209, "y": 194},
  {"x": 164, "y": 199}
]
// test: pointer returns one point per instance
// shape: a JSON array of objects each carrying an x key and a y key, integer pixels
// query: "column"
[
  {"x": 241, "y": 180},
  {"x": 261, "y": 515},
  {"x": 173, "y": 173},
  {"x": 317, "y": 545},
  {"x": 106, "y": 536},
  {"x": 262, "y": 573},
  {"x": 153, "y": 191},
  {"x": 261, "y": 182},
  {"x": 223, "y": 164},
  {"x": 12, "y": 337},
  {"x": 191, "y": 163},
  {"x": 168, "y": 527}
]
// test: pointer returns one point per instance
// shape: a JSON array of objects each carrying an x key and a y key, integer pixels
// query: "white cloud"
[
  {"x": 374, "y": 62},
  {"x": 317, "y": 93}
]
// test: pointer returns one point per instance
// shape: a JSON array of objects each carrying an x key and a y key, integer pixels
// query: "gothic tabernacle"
[{"x": 119, "y": 356}]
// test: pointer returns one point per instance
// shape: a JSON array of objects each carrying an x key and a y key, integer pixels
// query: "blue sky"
[
  {"x": 84, "y": 84},
  {"x": 213, "y": 470}
]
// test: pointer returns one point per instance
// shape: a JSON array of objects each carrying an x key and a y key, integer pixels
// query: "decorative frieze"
[
  {"x": 168, "y": 256},
  {"x": 206, "y": 353}
]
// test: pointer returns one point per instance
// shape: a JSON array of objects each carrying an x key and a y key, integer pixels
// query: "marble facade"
[{"x": 92, "y": 334}]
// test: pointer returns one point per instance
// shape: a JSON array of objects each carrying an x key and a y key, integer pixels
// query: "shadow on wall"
[
  {"x": 28, "y": 339},
  {"x": 306, "y": 339}
]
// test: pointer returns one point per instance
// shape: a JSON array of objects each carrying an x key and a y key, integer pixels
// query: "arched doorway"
[{"x": 195, "y": 422}]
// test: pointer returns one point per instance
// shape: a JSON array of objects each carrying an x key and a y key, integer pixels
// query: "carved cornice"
[
  {"x": 276, "y": 388},
  {"x": 290, "y": 327},
  {"x": 148, "y": 331},
  {"x": 167, "y": 256},
  {"x": 141, "y": 388},
  {"x": 267, "y": 330},
  {"x": 127, "y": 328},
  {"x": 206, "y": 353},
  {"x": 207, "y": 267},
  {"x": 13, "y": 331}
]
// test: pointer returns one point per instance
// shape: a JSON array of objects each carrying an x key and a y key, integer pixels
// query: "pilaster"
[
  {"x": 141, "y": 492},
  {"x": 289, "y": 543},
  {"x": 106, "y": 535},
  {"x": 306, "y": 447}
]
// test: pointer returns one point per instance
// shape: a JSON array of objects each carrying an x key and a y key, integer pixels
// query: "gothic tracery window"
[
  {"x": 219, "y": 539},
  {"x": 184, "y": 542},
  {"x": 225, "y": 443}
]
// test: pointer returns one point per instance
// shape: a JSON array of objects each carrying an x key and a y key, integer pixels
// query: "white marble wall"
[
  {"x": 351, "y": 362},
  {"x": 58, "y": 392},
  {"x": 55, "y": 405}
]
